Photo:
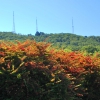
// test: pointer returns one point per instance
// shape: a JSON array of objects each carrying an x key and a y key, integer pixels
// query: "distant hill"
[{"x": 59, "y": 40}]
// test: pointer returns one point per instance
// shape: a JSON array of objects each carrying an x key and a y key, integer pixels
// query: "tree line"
[{"x": 65, "y": 41}]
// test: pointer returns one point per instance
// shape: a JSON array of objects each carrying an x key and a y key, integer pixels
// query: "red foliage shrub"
[{"x": 35, "y": 65}]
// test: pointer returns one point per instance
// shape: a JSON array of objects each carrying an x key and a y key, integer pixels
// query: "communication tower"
[
  {"x": 72, "y": 26},
  {"x": 36, "y": 25},
  {"x": 13, "y": 24}
]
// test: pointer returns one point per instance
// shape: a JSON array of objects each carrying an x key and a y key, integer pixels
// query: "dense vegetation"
[
  {"x": 73, "y": 73},
  {"x": 33, "y": 71},
  {"x": 66, "y": 41}
]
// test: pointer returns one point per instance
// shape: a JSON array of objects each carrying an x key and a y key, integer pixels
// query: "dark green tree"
[{"x": 90, "y": 49}]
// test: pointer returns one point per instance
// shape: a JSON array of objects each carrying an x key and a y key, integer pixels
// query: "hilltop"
[{"x": 66, "y": 41}]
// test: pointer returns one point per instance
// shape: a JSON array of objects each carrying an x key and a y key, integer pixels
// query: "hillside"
[{"x": 66, "y": 41}]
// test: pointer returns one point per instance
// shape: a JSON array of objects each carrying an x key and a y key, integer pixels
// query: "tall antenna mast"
[
  {"x": 72, "y": 26},
  {"x": 13, "y": 23},
  {"x": 36, "y": 25}
]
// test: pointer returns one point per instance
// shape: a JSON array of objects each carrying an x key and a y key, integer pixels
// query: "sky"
[{"x": 53, "y": 16}]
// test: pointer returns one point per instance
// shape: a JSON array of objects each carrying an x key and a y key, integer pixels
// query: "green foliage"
[
  {"x": 90, "y": 49},
  {"x": 91, "y": 84},
  {"x": 31, "y": 75},
  {"x": 32, "y": 71},
  {"x": 39, "y": 33},
  {"x": 59, "y": 41}
]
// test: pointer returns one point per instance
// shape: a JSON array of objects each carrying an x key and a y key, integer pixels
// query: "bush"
[
  {"x": 27, "y": 74},
  {"x": 33, "y": 71}
]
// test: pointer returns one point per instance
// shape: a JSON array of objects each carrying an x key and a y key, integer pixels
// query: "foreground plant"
[{"x": 33, "y": 71}]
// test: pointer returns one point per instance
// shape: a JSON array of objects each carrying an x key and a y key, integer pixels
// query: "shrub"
[
  {"x": 33, "y": 71},
  {"x": 28, "y": 72}
]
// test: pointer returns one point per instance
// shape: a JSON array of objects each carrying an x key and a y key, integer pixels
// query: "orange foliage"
[
  {"x": 73, "y": 61},
  {"x": 31, "y": 54}
]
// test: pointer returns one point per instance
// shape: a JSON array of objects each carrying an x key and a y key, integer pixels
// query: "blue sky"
[{"x": 53, "y": 16}]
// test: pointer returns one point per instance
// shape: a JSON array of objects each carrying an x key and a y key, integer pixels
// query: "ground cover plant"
[{"x": 33, "y": 71}]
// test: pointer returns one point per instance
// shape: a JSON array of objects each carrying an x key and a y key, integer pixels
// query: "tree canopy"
[{"x": 65, "y": 41}]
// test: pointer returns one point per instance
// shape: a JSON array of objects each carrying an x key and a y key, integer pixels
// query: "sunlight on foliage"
[{"x": 33, "y": 71}]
